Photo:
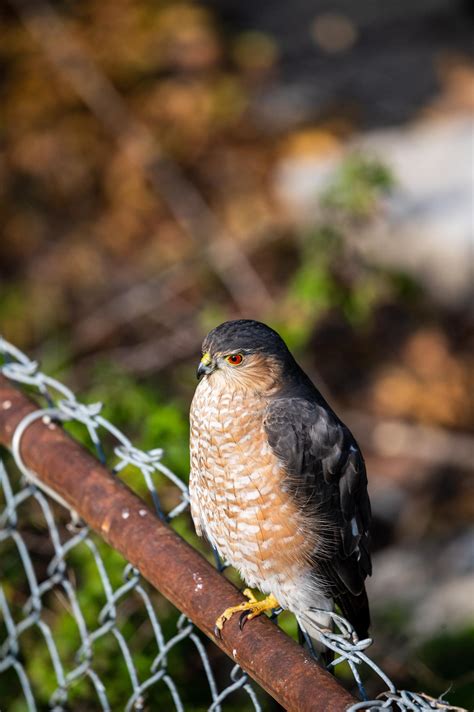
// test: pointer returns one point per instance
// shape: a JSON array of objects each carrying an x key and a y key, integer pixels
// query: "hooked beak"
[{"x": 206, "y": 366}]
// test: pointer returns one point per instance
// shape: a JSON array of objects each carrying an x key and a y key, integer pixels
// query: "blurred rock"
[
  {"x": 448, "y": 605},
  {"x": 387, "y": 499},
  {"x": 458, "y": 556},
  {"x": 428, "y": 223},
  {"x": 436, "y": 586},
  {"x": 399, "y": 575}
]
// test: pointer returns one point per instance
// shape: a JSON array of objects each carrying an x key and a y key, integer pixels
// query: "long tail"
[{"x": 356, "y": 610}]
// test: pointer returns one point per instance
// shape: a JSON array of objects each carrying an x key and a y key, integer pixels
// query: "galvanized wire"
[{"x": 61, "y": 404}]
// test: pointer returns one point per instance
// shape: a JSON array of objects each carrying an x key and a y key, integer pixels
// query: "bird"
[{"x": 278, "y": 484}]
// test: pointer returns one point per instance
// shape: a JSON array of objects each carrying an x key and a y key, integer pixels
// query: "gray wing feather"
[{"x": 326, "y": 476}]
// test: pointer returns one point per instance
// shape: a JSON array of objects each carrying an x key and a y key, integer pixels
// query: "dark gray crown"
[{"x": 244, "y": 335}]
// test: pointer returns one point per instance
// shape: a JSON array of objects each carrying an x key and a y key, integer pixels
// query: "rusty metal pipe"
[{"x": 179, "y": 572}]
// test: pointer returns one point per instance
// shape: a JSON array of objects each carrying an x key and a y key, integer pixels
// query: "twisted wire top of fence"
[{"x": 55, "y": 468}]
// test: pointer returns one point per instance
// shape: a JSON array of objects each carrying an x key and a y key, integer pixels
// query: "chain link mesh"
[{"x": 126, "y": 616}]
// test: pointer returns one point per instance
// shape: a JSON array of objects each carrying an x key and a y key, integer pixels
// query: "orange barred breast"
[{"x": 236, "y": 491}]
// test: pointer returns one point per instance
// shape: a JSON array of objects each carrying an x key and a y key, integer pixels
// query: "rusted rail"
[{"x": 179, "y": 572}]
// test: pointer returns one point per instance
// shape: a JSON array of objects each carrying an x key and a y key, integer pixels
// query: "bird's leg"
[
  {"x": 220, "y": 565},
  {"x": 250, "y": 609},
  {"x": 304, "y": 638}
]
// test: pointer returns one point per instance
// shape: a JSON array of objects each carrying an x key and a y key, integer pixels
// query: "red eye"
[{"x": 235, "y": 359}]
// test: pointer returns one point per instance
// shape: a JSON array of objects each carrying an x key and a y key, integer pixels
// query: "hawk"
[{"x": 278, "y": 484}]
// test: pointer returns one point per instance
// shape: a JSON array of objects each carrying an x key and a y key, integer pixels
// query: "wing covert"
[{"x": 326, "y": 475}]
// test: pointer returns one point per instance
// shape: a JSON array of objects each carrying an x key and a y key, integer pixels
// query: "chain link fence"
[{"x": 59, "y": 645}]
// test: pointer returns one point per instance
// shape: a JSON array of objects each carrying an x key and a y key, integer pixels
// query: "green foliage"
[
  {"x": 126, "y": 401},
  {"x": 333, "y": 273},
  {"x": 358, "y": 187},
  {"x": 394, "y": 618},
  {"x": 13, "y": 308},
  {"x": 149, "y": 419},
  {"x": 446, "y": 662}
]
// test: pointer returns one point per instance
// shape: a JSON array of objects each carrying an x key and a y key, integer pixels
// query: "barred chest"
[{"x": 235, "y": 487}]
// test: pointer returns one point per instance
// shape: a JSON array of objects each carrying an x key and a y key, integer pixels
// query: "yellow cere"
[{"x": 206, "y": 359}]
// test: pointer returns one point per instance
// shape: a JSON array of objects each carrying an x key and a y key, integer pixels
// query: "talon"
[
  {"x": 244, "y": 617},
  {"x": 250, "y": 609},
  {"x": 217, "y": 632}
]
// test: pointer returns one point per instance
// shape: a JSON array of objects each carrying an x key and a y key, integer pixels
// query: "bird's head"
[{"x": 244, "y": 354}]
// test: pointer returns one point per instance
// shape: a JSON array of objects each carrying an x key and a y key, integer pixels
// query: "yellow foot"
[{"x": 251, "y": 609}]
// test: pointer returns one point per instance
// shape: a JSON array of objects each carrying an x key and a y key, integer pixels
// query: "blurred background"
[{"x": 165, "y": 166}]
